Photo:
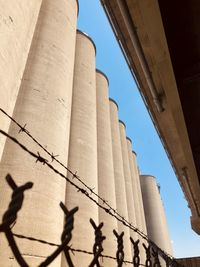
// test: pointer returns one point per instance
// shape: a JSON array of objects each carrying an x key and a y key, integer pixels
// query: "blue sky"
[{"x": 151, "y": 156}]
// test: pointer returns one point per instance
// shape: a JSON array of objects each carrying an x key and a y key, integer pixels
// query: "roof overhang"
[{"x": 139, "y": 29}]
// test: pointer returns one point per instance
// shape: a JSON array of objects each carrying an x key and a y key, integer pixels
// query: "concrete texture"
[
  {"x": 83, "y": 145},
  {"x": 137, "y": 204},
  {"x": 106, "y": 182},
  {"x": 167, "y": 235},
  {"x": 17, "y": 22},
  {"x": 127, "y": 178},
  {"x": 171, "y": 124},
  {"x": 139, "y": 192},
  {"x": 120, "y": 189},
  {"x": 154, "y": 213},
  {"x": 44, "y": 103}
]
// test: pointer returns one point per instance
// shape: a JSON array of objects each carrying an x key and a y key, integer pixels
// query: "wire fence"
[
  {"x": 10, "y": 218},
  {"x": 151, "y": 251}
]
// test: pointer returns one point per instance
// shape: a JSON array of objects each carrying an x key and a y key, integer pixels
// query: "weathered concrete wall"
[
  {"x": 137, "y": 205},
  {"x": 168, "y": 243},
  {"x": 156, "y": 229},
  {"x": 83, "y": 145},
  {"x": 137, "y": 181},
  {"x": 106, "y": 182},
  {"x": 17, "y": 23},
  {"x": 127, "y": 177},
  {"x": 120, "y": 189},
  {"x": 44, "y": 103}
]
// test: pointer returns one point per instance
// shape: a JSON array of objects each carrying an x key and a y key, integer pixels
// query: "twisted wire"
[
  {"x": 120, "y": 248},
  {"x": 44, "y": 161},
  {"x": 54, "y": 158},
  {"x": 109, "y": 210},
  {"x": 15, "y": 204},
  {"x": 70, "y": 248}
]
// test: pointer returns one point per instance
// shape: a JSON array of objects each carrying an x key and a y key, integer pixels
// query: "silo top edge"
[
  {"x": 86, "y": 35},
  {"x": 134, "y": 152},
  {"x": 112, "y": 100},
  {"x": 77, "y": 2},
  {"x": 148, "y": 175},
  {"x": 120, "y": 121},
  {"x": 128, "y": 138},
  {"x": 101, "y": 72}
]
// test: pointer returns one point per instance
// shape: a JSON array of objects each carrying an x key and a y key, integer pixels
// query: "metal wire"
[
  {"x": 44, "y": 161},
  {"x": 70, "y": 248},
  {"x": 74, "y": 175},
  {"x": 113, "y": 212}
]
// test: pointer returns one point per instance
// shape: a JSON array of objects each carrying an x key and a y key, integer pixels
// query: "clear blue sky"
[{"x": 152, "y": 158}]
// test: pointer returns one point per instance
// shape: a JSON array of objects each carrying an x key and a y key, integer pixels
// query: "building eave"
[{"x": 170, "y": 123}]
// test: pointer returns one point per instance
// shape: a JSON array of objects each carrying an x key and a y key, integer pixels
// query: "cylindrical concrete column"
[
  {"x": 137, "y": 204},
  {"x": 137, "y": 182},
  {"x": 44, "y": 104},
  {"x": 120, "y": 189},
  {"x": 17, "y": 22},
  {"x": 156, "y": 229},
  {"x": 127, "y": 178},
  {"x": 167, "y": 236},
  {"x": 83, "y": 146},
  {"x": 106, "y": 183}
]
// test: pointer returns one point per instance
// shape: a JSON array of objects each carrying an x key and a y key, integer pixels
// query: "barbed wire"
[
  {"x": 113, "y": 212},
  {"x": 54, "y": 157},
  {"x": 44, "y": 161},
  {"x": 70, "y": 248}
]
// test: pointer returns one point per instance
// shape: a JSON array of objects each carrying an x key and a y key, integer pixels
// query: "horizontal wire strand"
[{"x": 108, "y": 210}]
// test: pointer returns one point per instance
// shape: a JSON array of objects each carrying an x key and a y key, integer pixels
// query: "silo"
[
  {"x": 137, "y": 205},
  {"x": 127, "y": 178},
  {"x": 120, "y": 189},
  {"x": 17, "y": 21},
  {"x": 106, "y": 183},
  {"x": 44, "y": 104},
  {"x": 167, "y": 236},
  {"x": 83, "y": 146},
  {"x": 137, "y": 175},
  {"x": 156, "y": 229}
]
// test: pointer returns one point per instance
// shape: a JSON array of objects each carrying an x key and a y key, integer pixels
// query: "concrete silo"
[
  {"x": 17, "y": 21},
  {"x": 106, "y": 182},
  {"x": 139, "y": 192},
  {"x": 127, "y": 179},
  {"x": 120, "y": 189},
  {"x": 83, "y": 145},
  {"x": 137, "y": 204},
  {"x": 154, "y": 214},
  {"x": 167, "y": 236},
  {"x": 44, "y": 104}
]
